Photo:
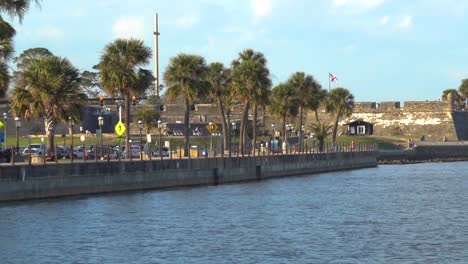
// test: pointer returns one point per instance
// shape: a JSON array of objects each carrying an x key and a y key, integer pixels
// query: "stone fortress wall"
[{"x": 413, "y": 119}]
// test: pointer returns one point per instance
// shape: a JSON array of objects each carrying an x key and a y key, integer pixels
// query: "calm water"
[{"x": 391, "y": 214}]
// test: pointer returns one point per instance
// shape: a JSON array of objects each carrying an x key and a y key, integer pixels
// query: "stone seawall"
[
  {"x": 55, "y": 180},
  {"x": 425, "y": 153}
]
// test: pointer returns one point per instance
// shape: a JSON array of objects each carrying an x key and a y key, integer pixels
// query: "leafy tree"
[
  {"x": 218, "y": 80},
  {"x": 150, "y": 118},
  {"x": 340, "y": 103},
  {"x": 305, "y": 86},
  {"x": 321, "y": 132},
  {"x": 121, "y": 74},
  {"x": 251, "y": 85},
  {"x": 185, "y": 77},
  {"x": 25, "y": 58},
  {"x": 90, "y": 83},
  {"x": 48, "y": 87},
  {"x": 284, "y": 103}
]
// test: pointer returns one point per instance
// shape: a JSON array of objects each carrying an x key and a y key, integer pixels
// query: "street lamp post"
[
  {"x": 211, "y": 129},
  {"x": 72, "y": 123},
  {"x": 233, "y": 133},
  {"x": 18, "y": 125},
  {"x": 273, "y": 139},
  {"x": 101, "y": 123},
  {"x": 140, "y": 125},
  {"x": 82, "y": 139},
  {"x": 159, "y": 143},
  {"x": 5, "y": 116}
]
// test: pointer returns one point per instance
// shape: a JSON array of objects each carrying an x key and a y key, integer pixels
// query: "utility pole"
[{"x": 156, "y": 56}]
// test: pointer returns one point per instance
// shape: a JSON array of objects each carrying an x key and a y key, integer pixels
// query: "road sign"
[
  {"x": 120, "y": 139},
  {"x": 1, "y": 124},
  {"x": 119, "y": 128},
  {"x": 82, "y": 138},
  {"x": 2, "y": 137},
  {"x": 212, "y": 128}
]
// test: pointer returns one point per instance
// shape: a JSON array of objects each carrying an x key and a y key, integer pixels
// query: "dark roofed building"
[{"x": 360, "y": 128}]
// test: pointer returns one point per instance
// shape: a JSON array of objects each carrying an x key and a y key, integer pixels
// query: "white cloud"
[
  {"x": 406, "y": 22},
  {"x": 357, "y": 6},
  {"x": 49, "y": 33},
  {"x": 187, "y": 21},
  {"x": 261, "y": 8},
  {"x": 458, "y": 74},
  {"x": 384, "y": 20},
  {"x": 128, "y": 27}
]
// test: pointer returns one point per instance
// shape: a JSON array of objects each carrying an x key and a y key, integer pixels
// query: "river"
[{"x": 390, "y": 214}]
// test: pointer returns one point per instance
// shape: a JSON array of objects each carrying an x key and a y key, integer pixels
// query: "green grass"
[{"x": 382, "y": 142}]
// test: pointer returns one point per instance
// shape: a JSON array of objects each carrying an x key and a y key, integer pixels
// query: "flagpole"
[{"x": 329, "y": 82}]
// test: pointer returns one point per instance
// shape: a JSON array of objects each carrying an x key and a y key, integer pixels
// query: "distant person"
[
  {"x": 444, "y": 139},
  {"x": 422, "y": 138}
]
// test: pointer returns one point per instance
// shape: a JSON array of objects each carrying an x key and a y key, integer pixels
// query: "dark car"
[
  {"x": 164, "y": 152},
  {"x": 5, "y": 155},
  {"x": 203, "y": 152}
]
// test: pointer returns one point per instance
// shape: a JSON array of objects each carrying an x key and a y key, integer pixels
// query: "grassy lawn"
[{"x": 383, "y": 142}]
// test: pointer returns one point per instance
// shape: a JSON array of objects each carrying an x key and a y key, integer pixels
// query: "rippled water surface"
[{"x": 390, "y": 214}]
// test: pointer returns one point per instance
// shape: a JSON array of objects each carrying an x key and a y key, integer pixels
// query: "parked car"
[
  {"x": 164, "y": 152},
  {"x": 35, "y": 149},
  {"x": 5, "y": 155},
  {"x": 203, "y": 152}
]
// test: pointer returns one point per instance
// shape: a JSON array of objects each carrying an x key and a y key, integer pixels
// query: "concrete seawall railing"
[{"x": 55, "y": 180}]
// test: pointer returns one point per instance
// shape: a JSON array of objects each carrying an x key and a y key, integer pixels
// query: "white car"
[{"x": 36, "y": 149}]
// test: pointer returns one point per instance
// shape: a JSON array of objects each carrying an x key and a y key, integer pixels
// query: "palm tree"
[
  {"x": 6, "y": 52},
  {"x": 185, "y": 77},
  {"x": 284, "y": 103},
  {"x": 49, "y": 88},
  {"x": 456, "y": 97},
  {"x": 251, "y": 82},
  {"x": 317, "y": 99},
  {"x": 463, "y": 91},
  {"x": 321, "y": 132},
  {"x": 121, "y": 74},
  {"x": 340, "y": 103},
  {"x": 305, "y": 86},
  {"x": 14, "y": 9},
  {"x": 218, "y": 79}
]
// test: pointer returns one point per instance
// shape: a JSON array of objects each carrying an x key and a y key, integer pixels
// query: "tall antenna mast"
[{"x": 156, "y": 56}]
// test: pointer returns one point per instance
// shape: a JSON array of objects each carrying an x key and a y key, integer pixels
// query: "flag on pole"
[{"x": 333, "y": 78}]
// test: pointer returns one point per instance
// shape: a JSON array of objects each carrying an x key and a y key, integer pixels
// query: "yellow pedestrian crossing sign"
[
  {"x": 119, "y": 128},
  {"x": 213, "y": 127},
  {"x": 1, "y": 124}
]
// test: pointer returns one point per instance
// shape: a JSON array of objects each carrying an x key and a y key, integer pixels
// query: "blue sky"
[{"x": 381, "y": 50}]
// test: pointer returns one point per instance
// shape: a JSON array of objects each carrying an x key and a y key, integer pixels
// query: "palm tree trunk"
[
  {"x": 50, "y": 132},
  {"x": 229, "y": 130},
  {"x": 128, "y": 150},
  {"x": 335, "y": 128},
  {"x": 187, "y": 128},
  {"x": 316, "y": 115},
  {"x": 283, "y": 128},
  {"x": 223, "y": 124},
  {"x": 300, "y": 128},
  {"x": 254, "y": 128},
  {"x": 242, "y": 132}
]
